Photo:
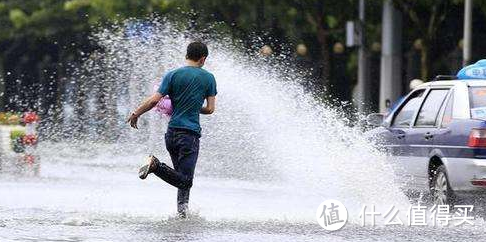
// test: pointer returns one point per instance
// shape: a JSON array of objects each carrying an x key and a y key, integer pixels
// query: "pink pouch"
[{"x": 164, "y": 106}]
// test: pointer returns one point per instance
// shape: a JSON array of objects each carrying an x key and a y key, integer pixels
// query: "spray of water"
[{"x": 267, "y": 129}]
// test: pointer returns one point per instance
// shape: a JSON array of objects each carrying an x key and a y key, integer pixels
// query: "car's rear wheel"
[{"x": 441, "y": 191}]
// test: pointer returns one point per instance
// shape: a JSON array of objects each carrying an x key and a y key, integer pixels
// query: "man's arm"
[
  {"x": 146, "y": 105},
  {"x": 210, "y": 105}
]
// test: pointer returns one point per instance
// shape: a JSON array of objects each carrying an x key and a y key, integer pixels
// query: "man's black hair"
[{"x": 196, "y": 50}]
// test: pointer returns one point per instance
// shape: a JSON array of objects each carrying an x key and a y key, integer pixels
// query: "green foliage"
[
  {"x": 41, "y": 33},
  {"x": 16, "y": 140},
  {"x": 332, "y": 21},
  {"x": 18, "y": 17},
  {"x": 15, "y": 134}
]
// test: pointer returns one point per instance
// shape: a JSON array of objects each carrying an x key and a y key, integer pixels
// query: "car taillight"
[
  {"x": 477, "y": 138},
  {"x": 479, "y": 182}
]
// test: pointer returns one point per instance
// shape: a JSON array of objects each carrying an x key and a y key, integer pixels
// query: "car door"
[
  {"x": 420, "y": 137},
  {"x": 400, "y": 125},
  {"x": 443, "y": 138}
]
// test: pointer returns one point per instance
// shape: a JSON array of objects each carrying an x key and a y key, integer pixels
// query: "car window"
[
  {"x": 477, "y": 99},
  {"x": 447, "y": 118},
  {"x": 406, "y": 112},
  {"x": 427, "y": 115}
]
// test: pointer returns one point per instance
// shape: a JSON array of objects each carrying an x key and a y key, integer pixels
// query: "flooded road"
[
  {"x": 270, "y": 154},
  {"x": 102, "y": 202}
]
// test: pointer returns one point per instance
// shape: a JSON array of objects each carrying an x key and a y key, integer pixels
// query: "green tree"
[
  {"x": 427, "y": 16},
  {"x": 313, "y": 22}
]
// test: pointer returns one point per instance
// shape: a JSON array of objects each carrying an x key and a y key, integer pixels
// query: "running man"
[{"x": 187, "y": 87}]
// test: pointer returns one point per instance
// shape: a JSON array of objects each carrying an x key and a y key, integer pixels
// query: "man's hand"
[
  {"x": 146, "y": 105},
  {"x": 133, "y": 119},
  {"x": 210, "y": 105}
]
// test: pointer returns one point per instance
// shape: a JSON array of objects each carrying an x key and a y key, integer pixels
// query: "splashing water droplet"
[{"x": 267, "y": 129}]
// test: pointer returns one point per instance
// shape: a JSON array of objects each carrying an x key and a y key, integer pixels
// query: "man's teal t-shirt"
[{"x": 187, "y": 88}]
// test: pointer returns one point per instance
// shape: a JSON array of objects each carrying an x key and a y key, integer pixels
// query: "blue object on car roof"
[{"x": 474, "y": 71}]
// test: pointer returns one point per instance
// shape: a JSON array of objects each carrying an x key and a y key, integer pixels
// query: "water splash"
[{"x": 267, "y": 128}]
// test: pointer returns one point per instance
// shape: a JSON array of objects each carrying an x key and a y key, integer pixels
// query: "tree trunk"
[
  {"x": 2, "y": 88},
  {"x": 260, "y": 16},
  {"x": 318, "y": 21},
  {"x": 424, "y": 61},
  {"x": 80, "y": 108},
  {"x": 322, "y": 39},
  {"x": 58, "y": 112}
]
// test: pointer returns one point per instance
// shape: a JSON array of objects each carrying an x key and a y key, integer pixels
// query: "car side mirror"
[{"x": 375, "y": 119}]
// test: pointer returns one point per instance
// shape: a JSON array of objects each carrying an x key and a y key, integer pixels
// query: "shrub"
[
  {"x": 16, "y": 137},
  {"x": 10, "y": 118},
  {"x": 15, "y": 134}
]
